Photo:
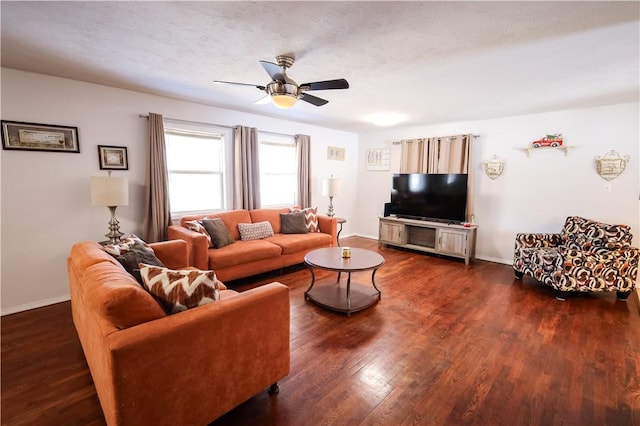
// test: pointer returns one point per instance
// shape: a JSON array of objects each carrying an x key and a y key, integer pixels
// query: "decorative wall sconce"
[
  {"x": 494, "y": 167},
  {"x": 611, "y": 165}
]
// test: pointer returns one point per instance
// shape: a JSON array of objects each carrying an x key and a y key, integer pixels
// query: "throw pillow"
[
  {"x": 178, "y": 290},
  {"x": 255, "y": 231},
  {"x": 310, "y": 217},
  {"x": 196, "y": 226},
  {"x": 138, "y": 254},
  {"x": 125, "y": 245},
  {"x": 218, "y": 232},
  {"x": 293, "y": 223}
]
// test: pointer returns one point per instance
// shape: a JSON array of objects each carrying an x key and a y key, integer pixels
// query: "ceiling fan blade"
[
  {"x": 340, "y": 83},
  {"x": 239, "y": 84},
  {"x": 314, "y": 100},
  {"x": 274, "y": 70},
  {"x": 263, "y": 100}
]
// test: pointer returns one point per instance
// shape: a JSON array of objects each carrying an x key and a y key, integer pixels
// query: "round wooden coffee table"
[{"x": 351, "y": 297}]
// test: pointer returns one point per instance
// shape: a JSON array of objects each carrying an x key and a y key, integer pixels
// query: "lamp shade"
[
  {"x": 109, "y": 191},
  {"x": 330, "y": 187}
]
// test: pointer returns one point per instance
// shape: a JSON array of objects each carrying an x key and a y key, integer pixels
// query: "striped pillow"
[
  {"x": 125, "y": 245},
  {"x": 178, "y": 290},
  {"x": 310, "y": 217},
  {"x": 197, "y": 226}
]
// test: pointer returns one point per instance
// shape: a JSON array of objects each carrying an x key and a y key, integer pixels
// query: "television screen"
[{"x": 441, "y": 197}]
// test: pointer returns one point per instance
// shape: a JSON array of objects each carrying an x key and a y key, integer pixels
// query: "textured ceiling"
[{"x": 430, "y": 61}]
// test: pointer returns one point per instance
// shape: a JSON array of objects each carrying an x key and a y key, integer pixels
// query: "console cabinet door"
[
  {"x": 391, "y": 232},
  {"x": 454, "y": 242}
]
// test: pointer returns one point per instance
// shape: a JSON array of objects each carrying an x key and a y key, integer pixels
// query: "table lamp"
[
  {"x": 330, "y": 188},
  {"x": 110, "y": 192}
]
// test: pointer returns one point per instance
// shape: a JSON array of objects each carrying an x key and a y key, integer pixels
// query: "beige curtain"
[
  {"x": 447, "y": 155},
  {"x": 246, "y": 171},
  {"x": 450, "y": 154},
  {"x": 158, "y": 212},
  {"x": 412, "y": 156},
  {"x": 303, "y": 151}
]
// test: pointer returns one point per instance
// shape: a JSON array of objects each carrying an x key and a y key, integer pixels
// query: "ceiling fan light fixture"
[
  {"x": 284, "y": 101},
  {"x": 284, "y": 92},
  {"x": 283, "y": 95}
]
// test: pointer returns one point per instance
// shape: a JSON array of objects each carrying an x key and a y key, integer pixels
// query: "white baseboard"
[
  {"x": 34, "y": 305},
  {"x": 495, "y": 260}
]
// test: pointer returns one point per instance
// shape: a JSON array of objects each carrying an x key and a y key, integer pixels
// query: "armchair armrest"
[
  {"x": 210, "y": 358},
  {"x": 329, "y": 225},
  {"x": 524, "y": 240},
  {"x": 173, "y": 253},
  {"x": 197, "y": 244}
]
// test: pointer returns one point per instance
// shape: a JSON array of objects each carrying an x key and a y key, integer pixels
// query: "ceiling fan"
[{"x": 283, "y": 91}]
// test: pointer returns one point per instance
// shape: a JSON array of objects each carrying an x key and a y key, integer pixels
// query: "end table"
[{"x": 340, "y": 222}]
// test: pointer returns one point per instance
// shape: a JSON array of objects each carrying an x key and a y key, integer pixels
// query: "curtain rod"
[
  {"x": 404, "y": 140},
  {"x": 177, "y": 120}
]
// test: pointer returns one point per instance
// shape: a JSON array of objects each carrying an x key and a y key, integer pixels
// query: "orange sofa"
[
  {"x": 245, "y": 258},
  {"x": 150, "y": 368}
]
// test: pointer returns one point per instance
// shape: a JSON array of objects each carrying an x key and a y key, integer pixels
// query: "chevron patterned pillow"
[
  {"x": 178, "y": 290},
  {"x": 197, "y": 226},
  {"x": 310, "y": 217},
  {"x": 125, "y": 245}
]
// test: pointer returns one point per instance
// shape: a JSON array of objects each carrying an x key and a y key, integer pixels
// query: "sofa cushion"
[
  {"x": 179, "y": 290},
  {"x": 310, "y": 217},
  {"x": 589, "y": 235},
  {"x": 255, "y": 231},
  {"x": 231, "y": 219},
  {"x": 197, "y": 226},
  {"x": 242, "y": 252},
  {"x": 293, "y": 223},
  {"x": 293, "y": 243},
  {"x": 135, "y": 255},
  {"x": 270, "y": 215},
  {"x": 88, "y": 253},
  {"x": 118, "y": 297},
  {"x": 219, "y": 233}
]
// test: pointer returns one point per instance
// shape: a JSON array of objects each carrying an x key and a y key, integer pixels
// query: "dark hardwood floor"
[{"x": 448, "y": 344}]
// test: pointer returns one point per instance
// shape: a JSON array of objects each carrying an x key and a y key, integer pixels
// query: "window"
[
  {"x": 278, "y": 171},
  {"x": 196, "y": 165}
]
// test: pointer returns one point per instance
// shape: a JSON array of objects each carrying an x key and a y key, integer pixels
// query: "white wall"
[
  {"x": 536, "y": 193},
  {"x": 46, "y": 200},
  {"x": 46, "y": 204}
]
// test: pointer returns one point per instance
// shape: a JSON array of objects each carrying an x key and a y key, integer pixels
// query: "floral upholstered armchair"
[{"x": 585, "y": 256}]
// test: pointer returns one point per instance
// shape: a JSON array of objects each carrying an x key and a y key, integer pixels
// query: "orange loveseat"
[
  {"x": 188, "y": 368},
  {"x": 245, "y": 258}
]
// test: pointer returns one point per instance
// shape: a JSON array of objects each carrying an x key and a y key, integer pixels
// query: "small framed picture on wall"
[{"x": 113, "y": 157}]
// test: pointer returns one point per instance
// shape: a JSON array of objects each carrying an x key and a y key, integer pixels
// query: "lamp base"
[
  {"x": 330, "y": 211},
  {"x": 114, "y": 234}
]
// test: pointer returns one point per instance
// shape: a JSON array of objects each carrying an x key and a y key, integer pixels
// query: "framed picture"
[
  {"x": 39, "y": 137},
  {"x": 113, "y": 157},
  {"x": 378, "y": 159},
  {"x": 335, "y": 153}
]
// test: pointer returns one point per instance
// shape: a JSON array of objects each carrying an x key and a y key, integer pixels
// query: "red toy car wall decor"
[{"x": 553, "y": 140}]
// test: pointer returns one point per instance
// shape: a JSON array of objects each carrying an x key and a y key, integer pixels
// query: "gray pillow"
[
  {"x": 138, "y": 254},
  {"x": 293, "y": 223},
  {"x": 219, "y": 233}
]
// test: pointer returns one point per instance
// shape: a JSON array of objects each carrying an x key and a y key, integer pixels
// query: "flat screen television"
[{"x": 438, "y": 197}]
